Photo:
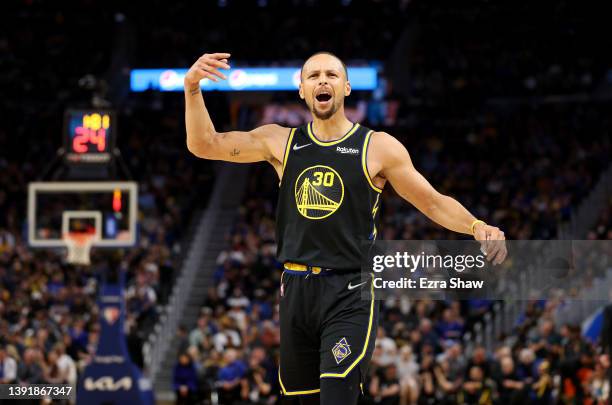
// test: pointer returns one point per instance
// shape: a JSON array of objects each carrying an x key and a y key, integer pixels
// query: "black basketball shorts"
[{"x": 328, "y": 322}]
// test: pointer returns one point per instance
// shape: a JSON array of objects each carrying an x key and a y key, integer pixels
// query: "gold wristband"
[{"x": 477, "y": 221}]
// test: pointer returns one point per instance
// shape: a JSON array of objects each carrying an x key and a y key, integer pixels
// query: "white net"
[{"x": 79, "y": 247}]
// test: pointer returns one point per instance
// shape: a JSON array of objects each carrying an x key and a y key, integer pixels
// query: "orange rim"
[{"x": 80, "y": 238}]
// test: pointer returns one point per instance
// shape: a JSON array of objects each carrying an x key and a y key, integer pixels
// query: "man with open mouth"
[{"x": 332, "y": 173}]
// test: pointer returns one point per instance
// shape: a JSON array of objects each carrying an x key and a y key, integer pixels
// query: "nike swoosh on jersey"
[
  {"x": 296, "y": 147},
  {"x": 352, "y": 287}
]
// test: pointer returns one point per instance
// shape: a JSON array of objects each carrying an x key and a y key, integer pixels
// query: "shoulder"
[
  {"x": 274, "y": 137},
  {"x": 386, "y": 146},
  {"x": 382, "y": 138}
]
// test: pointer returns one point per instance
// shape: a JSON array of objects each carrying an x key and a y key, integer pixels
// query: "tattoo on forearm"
[
  {"x": 195, "y": 90},
  {"x": 235, "y": 152}
]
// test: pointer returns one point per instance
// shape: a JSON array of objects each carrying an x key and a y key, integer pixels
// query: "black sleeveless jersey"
[{"x": 327, "y": 203}]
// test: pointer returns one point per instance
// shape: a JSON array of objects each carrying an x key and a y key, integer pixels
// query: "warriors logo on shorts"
[{"x": 341, "y": 350}]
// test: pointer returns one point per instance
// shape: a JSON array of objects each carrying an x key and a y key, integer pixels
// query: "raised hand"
[{"x": 207, "y": 67}]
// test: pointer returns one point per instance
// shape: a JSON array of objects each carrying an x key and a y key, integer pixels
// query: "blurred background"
[{"x": 504, "y": 105}]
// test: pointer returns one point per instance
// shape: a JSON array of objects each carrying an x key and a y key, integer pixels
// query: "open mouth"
[{"x": 323, "y": 97}]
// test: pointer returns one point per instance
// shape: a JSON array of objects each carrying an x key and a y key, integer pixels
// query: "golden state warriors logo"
[
  {"x": 341, "y": 350},
  {"x": 319, "y": 192}
]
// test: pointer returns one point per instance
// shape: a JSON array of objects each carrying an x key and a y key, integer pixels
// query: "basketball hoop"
[{"x": 79, "y": 246}]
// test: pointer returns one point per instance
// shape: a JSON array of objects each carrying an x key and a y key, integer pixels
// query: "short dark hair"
[{"x": 325, "y": 53}]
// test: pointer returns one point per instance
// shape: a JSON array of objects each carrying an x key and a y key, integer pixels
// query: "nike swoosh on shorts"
[{"x": 352, "y": 287}]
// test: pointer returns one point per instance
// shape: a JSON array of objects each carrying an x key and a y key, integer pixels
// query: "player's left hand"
[{"x": 492, "y": 242}]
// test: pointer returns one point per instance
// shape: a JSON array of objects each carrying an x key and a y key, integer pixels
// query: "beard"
[{"x": 325, "y": 115}]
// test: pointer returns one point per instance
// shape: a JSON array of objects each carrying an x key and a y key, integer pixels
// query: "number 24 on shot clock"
[{"x": 89, "y": 135}]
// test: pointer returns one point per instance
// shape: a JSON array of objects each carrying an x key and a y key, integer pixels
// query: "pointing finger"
[
  {"x": 218, "y": 63},
  {"x": 207, "y": 60},
  {"x": 220, "y": 55}
]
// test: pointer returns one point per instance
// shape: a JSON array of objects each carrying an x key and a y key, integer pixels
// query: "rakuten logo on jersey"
[{"x": 350, "y": 151}]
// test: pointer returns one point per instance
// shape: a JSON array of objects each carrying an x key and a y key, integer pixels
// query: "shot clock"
[{"x": 89, "y": 136}]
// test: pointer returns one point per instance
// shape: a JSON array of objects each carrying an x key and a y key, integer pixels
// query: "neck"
[{"x": 333, "y": 128}]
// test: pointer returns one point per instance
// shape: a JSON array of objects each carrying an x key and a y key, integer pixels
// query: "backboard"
[{"x": 106, "y": 209}]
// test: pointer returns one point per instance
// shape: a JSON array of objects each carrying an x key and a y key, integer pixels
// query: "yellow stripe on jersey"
[
  {"x": 364, "y": 163},
  {"x": 330, "y": 143},
  {"x": 287, "y": 149}
]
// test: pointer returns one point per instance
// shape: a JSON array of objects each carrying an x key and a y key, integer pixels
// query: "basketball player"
[{"x": 332, "y": 172}]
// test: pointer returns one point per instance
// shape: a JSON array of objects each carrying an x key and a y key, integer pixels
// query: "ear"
[
  {"x": 347, "y": 89},
  {"x": 301, "y": 91}
]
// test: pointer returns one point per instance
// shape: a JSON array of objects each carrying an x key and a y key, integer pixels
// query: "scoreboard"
[{"x": 89, "y": 136}]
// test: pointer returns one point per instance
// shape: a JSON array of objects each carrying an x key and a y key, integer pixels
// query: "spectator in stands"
[
  {"x": 408, "y": 373},
  {"x": 576, "y": 354},
  {"x": 201, "y": 336},
  {"x": 385, "y": 386},
  {"x": 599, "y": 382},
  {"x": 388, "y": 349},
  {"x": 427, "y": 381},
  {"x": 429, "y": 338},
  {"x": 525, "y": 370},
  {"x": 447, "y": 388},
  {"x": 51, "y": 371},
  {"x": 92, "y": 342},
  {"x": 141, "y": 297},
  {"x": 185, "y": 380},
  {"x": 450, "y": 327},
  {"x": 227, "y": 336},
  {"x": 259, "y": 380},
  {"x": 546, "y": 343},
  {"x": 237, "y": 310},
  {"x": 481, "y": 360},
  {"x": 231, "y": 379},
  {"x": 43, "y": 340},
  {"x": 453, "y": 355},
  {"x": 182, "y": 338},
  {"x": 269, "y": 334},
  {"x": 31, "y": 371},
  {"x": 510, "y": 388},
  {"x": 477, "y": 389},
  {"x": 196, "y": 358},
  {"x": 66, "y": 365},
  {"x": 8, "y": 367},
  {"x": 541, "y": 390},
  {"x": 210, "y": 364}
]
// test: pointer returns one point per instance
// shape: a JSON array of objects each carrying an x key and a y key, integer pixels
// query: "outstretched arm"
[
  {"x": 396, "y": 166},
  {"x": 264, "y": 143}
]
